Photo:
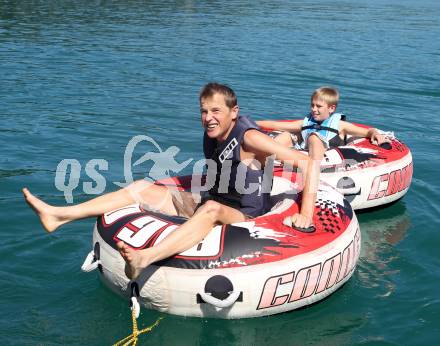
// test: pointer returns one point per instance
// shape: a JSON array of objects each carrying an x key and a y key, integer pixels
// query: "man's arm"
[
  {"x": 354, "y": 130},
  {"x": 291, "y": 126},
  {"x": 260, "y": 143}
]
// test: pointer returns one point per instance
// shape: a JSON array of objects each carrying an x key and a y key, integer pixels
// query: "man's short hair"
[
  {"x": 328, "y": 94},
  {"x": 210, "y": 89}
]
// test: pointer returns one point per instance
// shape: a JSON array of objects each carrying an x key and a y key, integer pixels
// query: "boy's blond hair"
[{"x": 327, "y": 94}]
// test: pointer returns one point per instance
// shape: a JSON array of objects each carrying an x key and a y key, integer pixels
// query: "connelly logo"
[
  {"x": 148, "y": 231},
  {"x": 391, "y": 183},
  {"x": 310, "y": 280}
]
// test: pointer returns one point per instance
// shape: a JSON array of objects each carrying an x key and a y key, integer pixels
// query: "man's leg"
[
  {"x": 141, "y": 191},
  {"x": 187, "y": 235},
  {"x": 316, "y": 153},
  {"x": 311, "y": 174}
]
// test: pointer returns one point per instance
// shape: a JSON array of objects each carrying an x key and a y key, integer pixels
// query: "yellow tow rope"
[{"x": 133, "y": 337}]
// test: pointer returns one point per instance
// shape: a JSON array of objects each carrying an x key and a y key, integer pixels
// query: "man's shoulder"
[
  {"x": 253, "y": 136},
  {"x": 247, "y": 122}
]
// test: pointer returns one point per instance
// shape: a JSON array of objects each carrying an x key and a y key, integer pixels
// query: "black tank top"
[{"x": 242, "y": 188}]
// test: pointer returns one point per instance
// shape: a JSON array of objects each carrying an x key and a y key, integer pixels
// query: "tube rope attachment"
[
  {"x": 132, "y": 339},
  {"x": 92, "y": 260}
]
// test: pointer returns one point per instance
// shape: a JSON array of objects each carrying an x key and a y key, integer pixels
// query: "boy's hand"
[{"x": 377, "y": 139}]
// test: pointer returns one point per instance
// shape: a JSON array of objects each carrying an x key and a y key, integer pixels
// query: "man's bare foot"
[
  {"x": 301, "y": 221},
  {"x": 135, "y": 261},
  {"x": 48, "y": 214}
]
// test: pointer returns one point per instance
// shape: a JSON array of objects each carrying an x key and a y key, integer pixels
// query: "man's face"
[
  {"x": 320, "y": 109},
  {"x": 217, "y": 117}
]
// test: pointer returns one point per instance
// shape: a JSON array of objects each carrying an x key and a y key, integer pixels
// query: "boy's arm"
[
  {"x": 291, "y": 126},
  {"x": 260, "y": 143},
  {"x": 357, "y": 131}
]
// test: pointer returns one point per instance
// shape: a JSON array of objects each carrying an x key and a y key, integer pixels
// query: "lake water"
[{"x": 80, "y": 79}]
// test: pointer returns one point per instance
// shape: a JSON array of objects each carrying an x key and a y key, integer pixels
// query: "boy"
[{"x": 322, "y": 129}]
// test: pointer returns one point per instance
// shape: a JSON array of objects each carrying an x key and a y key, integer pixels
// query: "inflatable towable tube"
[
  {"x": 366, "y": 174},
  {"x": 248, "y": 269}
]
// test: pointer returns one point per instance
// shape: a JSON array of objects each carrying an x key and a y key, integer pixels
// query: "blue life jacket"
[
  {"x": 227, "y": 157},
  {"x": 327, "y": 130}
]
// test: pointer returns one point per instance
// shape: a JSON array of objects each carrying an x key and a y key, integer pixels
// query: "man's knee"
[
  {"x": 212, "y": 208},
  {"x": 143, "y": 191},
  {"x": 140, "y": 185}
]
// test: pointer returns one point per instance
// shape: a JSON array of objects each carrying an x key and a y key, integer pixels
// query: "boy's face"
[
  {"x": 217, "y": 117},
  {"x": 321, "y": 110}
]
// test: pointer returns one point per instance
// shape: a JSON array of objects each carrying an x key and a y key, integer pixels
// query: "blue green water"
[{"x": 79, "y": 79}]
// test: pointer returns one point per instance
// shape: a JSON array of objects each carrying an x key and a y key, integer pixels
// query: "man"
[{"x": 229, "y": 140}]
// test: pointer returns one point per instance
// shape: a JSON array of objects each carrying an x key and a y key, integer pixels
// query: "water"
[{"x": 80, "y": 79}]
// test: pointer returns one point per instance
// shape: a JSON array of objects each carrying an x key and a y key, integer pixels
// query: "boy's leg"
[
  {"x": 316, "y": 147},
  {"x": 285, "y": 138},
  {"x": 141, "y": 191},
  {"x": 187, "y": 235}
]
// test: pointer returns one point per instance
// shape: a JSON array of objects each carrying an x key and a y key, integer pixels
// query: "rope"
[{"x": 133, "y": 337}]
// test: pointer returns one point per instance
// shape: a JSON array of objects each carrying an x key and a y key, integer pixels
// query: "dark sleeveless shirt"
[{"x": 236, "y": 185}]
